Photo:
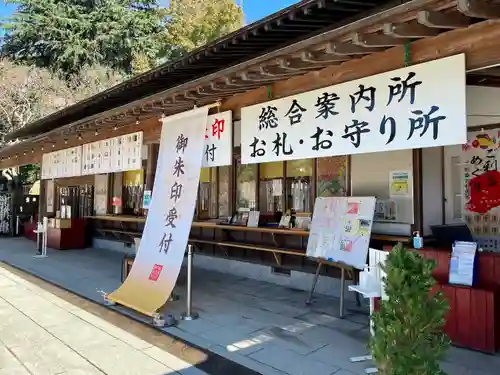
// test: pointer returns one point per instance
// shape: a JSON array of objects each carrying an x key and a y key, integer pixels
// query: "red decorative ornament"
[{"x": 484, "y": 192}]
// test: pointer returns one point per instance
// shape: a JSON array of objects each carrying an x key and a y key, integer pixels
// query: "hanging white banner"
[
  {"x": 402, "y": 109},
  {"x": 166, "y": 232}
]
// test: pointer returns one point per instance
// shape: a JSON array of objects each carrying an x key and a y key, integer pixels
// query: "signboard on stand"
[
  {"x": 340, "y": 230},
  {"x": 402, "y": 109},
  {"x": 161, "y": 251}
]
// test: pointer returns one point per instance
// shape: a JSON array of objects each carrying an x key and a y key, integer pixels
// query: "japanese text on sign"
[
  {"x": 165, "y": 236},
  {"x": 403, "y": 109},
  {"x": 218, "y": 147}
]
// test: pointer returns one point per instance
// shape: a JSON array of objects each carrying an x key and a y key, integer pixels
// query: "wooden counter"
[
  {"x": 61, "y": 238},
  {"x": 270, "y": 230},
  {"x": 119, "y": 218}
]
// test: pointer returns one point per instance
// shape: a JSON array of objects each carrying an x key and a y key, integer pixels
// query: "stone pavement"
[
  {"x": 262, "y": 326},
  {"x": 41, "y": 334}
]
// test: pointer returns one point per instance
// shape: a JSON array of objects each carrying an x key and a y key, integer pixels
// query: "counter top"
[{"x": 271, "y": 230}]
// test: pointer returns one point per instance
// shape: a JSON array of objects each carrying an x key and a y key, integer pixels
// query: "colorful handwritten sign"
[
  {"x": 341, "y": 228},
  {"x": 402, "y": 109}
]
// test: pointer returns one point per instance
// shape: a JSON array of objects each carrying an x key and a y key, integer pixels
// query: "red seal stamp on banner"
[{"x": 155, "y": 272}]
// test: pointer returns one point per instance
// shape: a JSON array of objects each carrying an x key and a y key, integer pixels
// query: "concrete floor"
[
  {"x": 42, "y": 334},
  {"x": 261, "y": 326}
]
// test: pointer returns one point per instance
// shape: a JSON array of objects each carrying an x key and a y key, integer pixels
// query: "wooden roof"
[
  {"x": 336, "y": 52},
  {"x": 280, "y": 29}
]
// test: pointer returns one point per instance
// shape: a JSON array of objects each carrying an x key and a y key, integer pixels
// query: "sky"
[{"x": 254, "y": 9}]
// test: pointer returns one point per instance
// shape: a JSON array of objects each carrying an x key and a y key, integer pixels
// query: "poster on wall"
[
  {"x": 481, "y": 184},
  {"x": 402, "y": 109},
  {"x": 106, "y": 156},
  {"x": 76, "y": 161},
  {"x": 101, "y": 182},
  {"x": 117, "y": 163},
  {"x": 50, "y": 196},
  {"x": 45, "y": 167},
  {"x": 62, "y": 163},
  {"x": 218, "y": 148},
  {"x": 400, "y": 184},
  {"x": 341, "y": 228},
  {"x": 146, "y": 199},
  {"x": 168, "y": 224}
]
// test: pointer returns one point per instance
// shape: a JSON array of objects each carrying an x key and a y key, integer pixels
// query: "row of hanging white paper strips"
[{"x": 116, "y": 154}]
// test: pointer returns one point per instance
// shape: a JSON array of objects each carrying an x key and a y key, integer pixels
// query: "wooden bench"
[
  {"x": 277, "y": 252},
  {"x": 120, "y": 235}
]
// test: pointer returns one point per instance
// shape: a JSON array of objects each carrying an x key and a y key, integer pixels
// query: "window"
[
  {"x": 271, "y": 187},
  {"x": 133, "y": 190},
  {"x": 331, "y": 180},
  {"x": 453, "y": 184},
  {"x": 207, "y": 199},
  {"x": 298, "y": 185},
  {"x": 246, "y": 185},
  {"x": 225, "y": 191}
]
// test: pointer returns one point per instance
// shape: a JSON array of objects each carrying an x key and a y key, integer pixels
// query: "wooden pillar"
[
  {"x": 117, "y": 192},
  {"x": 151, "y": 162},
  {"x": 417, "y": 192},
  {"x": 42, "y": 207}
]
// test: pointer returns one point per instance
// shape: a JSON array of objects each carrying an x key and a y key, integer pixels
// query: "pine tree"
[
  {"x": 408, "y": 330},
  {"x": 66, "y": 35}
]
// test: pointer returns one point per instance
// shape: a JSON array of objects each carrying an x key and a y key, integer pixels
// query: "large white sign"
[
  {"x": 164, "y": 240},
  {"x": 218, "y": 149},
  {"x": 418, "y": 106}
]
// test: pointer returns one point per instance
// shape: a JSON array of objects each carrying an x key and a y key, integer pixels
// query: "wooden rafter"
[
  {"x": 439, "y": 20},
  {"x": 376, "y": 40},
  {"x": 309, "y": 59},
  {"x": 479, "y": 9},
  {"x": 347, "y": 49},
  {"x": 412, "y": 30}
]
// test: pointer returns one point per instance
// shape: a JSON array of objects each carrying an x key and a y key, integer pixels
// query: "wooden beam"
[
  {"x": 483, "y": 80},
  {"x": 190, "y": 95},
  {"x": 310, "y": 60},
  {"x": 439, "y": 20},
  {"x": 479, "y": 9},
  {"x": 412, "y": 30},
  {"x": 347, "y": 49},
  {"x": 325, "y": 56},
  {"x": 245, "y": 78},
  {"x": 479, "y": 42},
  {"x": 211, "y": 91},
  {"x": 272, "y": 71},
  {"x": 376, "y": 40}
]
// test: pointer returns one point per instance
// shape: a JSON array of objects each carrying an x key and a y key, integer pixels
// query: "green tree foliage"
[
  {"x": 29, "y": 174},
  {"x": 408, "y": 330},
  {"x": 193, "y": 23},
  {"x": 66, "y": 35}
]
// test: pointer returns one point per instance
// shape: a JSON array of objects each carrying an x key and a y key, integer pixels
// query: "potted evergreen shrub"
[{"x": 408, "y": 334}]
